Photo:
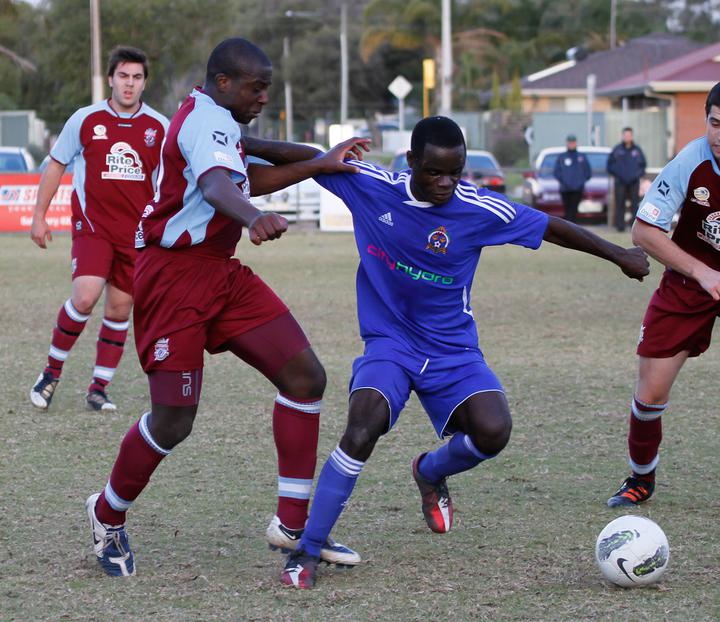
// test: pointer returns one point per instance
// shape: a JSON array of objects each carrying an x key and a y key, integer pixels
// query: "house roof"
[
  {"x": 698, "y": 70},
  {"x": 609, "y": 66}
]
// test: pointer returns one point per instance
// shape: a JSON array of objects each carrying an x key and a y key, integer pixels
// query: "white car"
[
  {"x": 299, "y": 202},
  {"x": 542, "y": 191},
  {"x": 16, "y": 160}
]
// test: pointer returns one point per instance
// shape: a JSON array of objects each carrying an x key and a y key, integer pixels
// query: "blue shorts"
[{"x": 441, "y": 383}]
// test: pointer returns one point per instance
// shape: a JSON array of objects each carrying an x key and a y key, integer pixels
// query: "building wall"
[
  {"x": 532, "y": 104},
  {"x": 689, "y": 118}
]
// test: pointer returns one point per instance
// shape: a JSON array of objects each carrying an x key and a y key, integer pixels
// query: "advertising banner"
[{"x": 18, "y": 193}]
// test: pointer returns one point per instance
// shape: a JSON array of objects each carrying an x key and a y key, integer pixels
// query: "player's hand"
[
  {"x": 40, "y": 232},
  {"x": 634, "y": 263},
  {"x": 333, "y": 161},
  {"x": 266, "y": 226},
  {"x": 709, "y": 280}
]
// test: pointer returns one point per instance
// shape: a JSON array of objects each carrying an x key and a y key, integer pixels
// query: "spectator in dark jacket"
[
  {"x": 572, "y": 170},
  {"x": 627, "y": 165}
]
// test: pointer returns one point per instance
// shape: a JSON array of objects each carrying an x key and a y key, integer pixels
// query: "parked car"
[
  {"x": 481, "y": 168},
  {"x": 299, "y": 202},
  {"x": 16, "y": 160},
  {"x": 542, "y": 191}
]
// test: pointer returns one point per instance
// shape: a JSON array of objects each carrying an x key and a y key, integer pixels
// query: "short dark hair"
[
  {"x": 627, "y": 129},
  {"x": 233, "y": 56},
  {"x": 438, "y": 131},
  {"x": 713, "y": 99},
  {"x": 126, "y": 54}
]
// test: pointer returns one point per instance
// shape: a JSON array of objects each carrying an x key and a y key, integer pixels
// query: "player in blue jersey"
[
  {"x": 420, "y": 234},
  {"x": 679, "y": 320}
]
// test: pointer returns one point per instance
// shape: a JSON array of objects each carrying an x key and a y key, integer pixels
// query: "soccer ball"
[{"x": 632, "y": 551}]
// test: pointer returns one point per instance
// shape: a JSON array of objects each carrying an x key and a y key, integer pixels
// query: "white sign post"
[{"x": 400, "y": 88}]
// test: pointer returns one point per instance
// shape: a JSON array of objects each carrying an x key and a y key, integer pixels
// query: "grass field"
[{"x": 559, "y": 328}]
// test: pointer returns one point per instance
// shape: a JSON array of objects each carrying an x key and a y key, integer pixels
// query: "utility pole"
[
  {"x": 288, "y": 90},
  {"x": 97, "y": 74},
  {"x": 613, "y": 20},
  {"x": 446, "y": 61},
  {"x": 344, "y": 71}
]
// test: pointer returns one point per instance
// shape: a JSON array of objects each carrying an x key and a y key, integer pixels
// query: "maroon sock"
[
  {"x": 296, "y": 424},
  {"x": 644, "y": 438},
  {"x": 110, "y": 345},
  {"x": 69, "y": 325},
  {"x": 138, "y": 458}
]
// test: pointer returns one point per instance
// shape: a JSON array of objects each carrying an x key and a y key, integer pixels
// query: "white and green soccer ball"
[{"x": 632, "y": 551}]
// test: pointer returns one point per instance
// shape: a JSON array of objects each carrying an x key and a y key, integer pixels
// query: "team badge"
[
  {"x": 150, "y": 136},
  {"x": 701, "y": 196},
  {"x": 162, "y": 349},
  {"x": 100, "y": 132},
  {"x": 438, "y": 241}
]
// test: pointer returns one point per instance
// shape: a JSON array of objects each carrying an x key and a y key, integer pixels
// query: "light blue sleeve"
[
  {"x": 207, "y": 140},
  {"x": 68, "y": 145},
  {"x": 667, "y": 193}
]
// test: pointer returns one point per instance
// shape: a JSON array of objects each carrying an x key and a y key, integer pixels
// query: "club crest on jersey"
[
  {"x": 99, "y": 132},
  {"x": 150, "y": 136},
  {"x": 701, "y": 196},
  {"x": 162, "y": 349},
  {"x": 123, "y": 163},
  {"x": 711, "y": 230},
  {"x": 438, "y": 241}
]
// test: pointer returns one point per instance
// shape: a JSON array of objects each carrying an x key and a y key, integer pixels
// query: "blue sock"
[
  {"x": 334, "y": 487},
  {"x": 457, "y": 455}
]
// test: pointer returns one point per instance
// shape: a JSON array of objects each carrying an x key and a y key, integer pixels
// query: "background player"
[
  {"x": 420, "y": 234},
  {"x": 192, "y": 296},
  {"x": 679, "y": 319},
  {"x": 116, "y": 148}
]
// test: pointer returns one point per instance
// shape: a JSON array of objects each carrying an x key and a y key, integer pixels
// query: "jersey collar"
[{"x": 413, "y": 201}]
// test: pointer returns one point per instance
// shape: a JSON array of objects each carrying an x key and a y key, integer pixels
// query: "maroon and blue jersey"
[
  {"x": 115, "y": 156},
  {"x": 691, "y": 183},
  {"x": 418, "y": 260},
  {"x": 202, "y": 136}
]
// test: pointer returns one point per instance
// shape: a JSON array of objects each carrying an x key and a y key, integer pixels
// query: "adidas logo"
[{"x": 387, "y": 219}]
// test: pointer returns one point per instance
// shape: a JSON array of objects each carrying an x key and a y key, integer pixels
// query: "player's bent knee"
[
  {"x": 359, "y": 441},
  {"x": 171, "y": 425},
  {"x": 491, "y": 437}
]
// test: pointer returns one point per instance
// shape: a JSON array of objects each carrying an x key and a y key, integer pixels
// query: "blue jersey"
[{"x": 417, "y": 260}]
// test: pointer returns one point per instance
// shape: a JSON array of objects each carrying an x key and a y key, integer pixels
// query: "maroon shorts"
[
  {"x": 680, "y": 317},
  {"x": 93, "y": 255},
  {"x": 185, "y": 304}
]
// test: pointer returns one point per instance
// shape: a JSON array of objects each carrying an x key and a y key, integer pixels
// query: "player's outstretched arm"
[
  {"x": 657, "y": 244},
  {"x": 632, "y": 261},
  {"x": 40, "y": 232},
  {"x": 279, "y": 151},
  {"x": 267, "y": 179},
  {"x": 219, "y": 191}
]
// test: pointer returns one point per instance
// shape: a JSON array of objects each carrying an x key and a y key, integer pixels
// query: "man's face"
[
  {"x": 245, "y": 95},
  {"x": 572, "y": 145},
  {"x": 127, "y": 84},
  {"x": 713, "y": 131},
  {"x": 436, "y": 174},
  {"x": 627, "y": 137}
]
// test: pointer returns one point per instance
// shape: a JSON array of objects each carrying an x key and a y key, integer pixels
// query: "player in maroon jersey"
[
  {"x": 679, "y": 319},
  {"x": 192, "y": 296},
  {"x": 115, "y": 146}
]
